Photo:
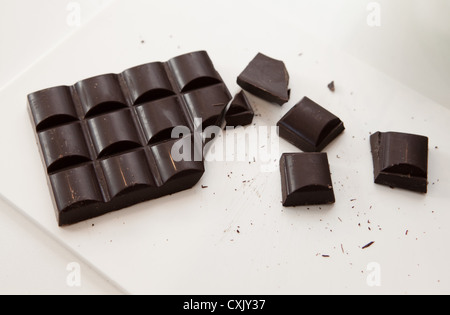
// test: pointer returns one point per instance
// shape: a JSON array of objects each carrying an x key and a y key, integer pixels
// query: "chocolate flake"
[{"x": 368, "y": 245}]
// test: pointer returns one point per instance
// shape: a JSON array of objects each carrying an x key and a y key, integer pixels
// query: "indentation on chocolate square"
[
  {"x": 113, "y": 133},
  {"x": 64, "y": 147},
  {"x": 194, "y": 71},
  {"x": 76, "y": 187},
  {"x": 159, "y": 118},
  {"x": 100, "y": 95},
  {"x": 171, "y": 167},
  {"x": 127, "y": 172},
  {"x": 208, "y": 104},
  {"x": 148, "y": 83},
  {"x": 52, "y": 107}
]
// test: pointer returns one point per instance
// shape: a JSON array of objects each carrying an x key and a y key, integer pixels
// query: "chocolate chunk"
[
  {"x": 306, "y": 179},
  {"x": 106, "y": 142},
  {"x": 266, "y": 78},
  {"x": 309, "y": 126},
  {"x": 240, "y": 112},
  {"x": 400, "y": 160}
]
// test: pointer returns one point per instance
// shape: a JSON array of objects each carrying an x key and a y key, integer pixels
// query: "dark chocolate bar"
[
  {"x": 306, "y": 179},
  {"x": 106, "y": 142},
  {"x": 240, "y": 112},
  {"x": 309, "y": 126},
  {"x": 400, "y": 160},
  {"x": 266, "y": 78}
]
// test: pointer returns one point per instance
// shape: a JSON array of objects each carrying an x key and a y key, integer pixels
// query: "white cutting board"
[{"x": 189, "y": 243}]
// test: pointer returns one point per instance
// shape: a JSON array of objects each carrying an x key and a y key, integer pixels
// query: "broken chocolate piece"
[
  {"x": 400, "y": 160},
  {"x": 306, "y": 179},
  {"x": 266, "y": 78},
  {"x": 309, "y": 126},
  {"x": 240, "y": 112},
  {"x": 106, "y": 142}
]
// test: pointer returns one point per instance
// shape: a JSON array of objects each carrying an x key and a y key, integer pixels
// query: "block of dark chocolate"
[
  {"x": 309, "y": 126},
  {"x": 240, "y": 112},
  {"x": 306, "y": 179},
  {"x": 106, "y": 142},
  {"x": 266, "y": 78},
  {"x": 400, "y": 160}
]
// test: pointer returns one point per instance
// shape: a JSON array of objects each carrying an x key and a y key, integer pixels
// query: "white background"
[{"x": 411, "y": 46}]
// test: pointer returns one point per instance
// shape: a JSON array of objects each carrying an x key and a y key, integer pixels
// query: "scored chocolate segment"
[
  {"x": 240, "y": 112},
  {"x": 194, "y": 71},
  {"x": 266, "y": 78},
  {"x": 63, "y": 147},
  {"x": 100, "y": 94},
  {"x": 106, "y": 142},
  {"x": 52, "y": 107},
  {"x": 76, "y": 190},
  {"x": 113, "y": 133},
  {"x": 309, "y": 126},
  {"x": 400, "y": 160},
  {"x": 148, "y": 83},
  {"x": 158, "y": 118},
  {"x": 127, "y": 171},
  {"x": 306, "y": 179},
  {"x": 209, "y": 104}
]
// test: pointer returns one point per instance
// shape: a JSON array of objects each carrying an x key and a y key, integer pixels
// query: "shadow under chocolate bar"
[{"x": 106, "y": 142}]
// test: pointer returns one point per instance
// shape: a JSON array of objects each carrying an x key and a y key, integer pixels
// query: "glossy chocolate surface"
[
  {"x": 306, "y": 179},
  {"x": 266, "y": 78},
  {"x": 400, "y": 160},
  {"x": 309, "y": 126},
  {"x": 106, "y": 142},
  {"x": 240, "y": 112}
]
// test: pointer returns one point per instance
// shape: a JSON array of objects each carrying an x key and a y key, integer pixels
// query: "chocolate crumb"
[
  {"x": 204, "y": 187},
  {"x": 332, "y": 87}
]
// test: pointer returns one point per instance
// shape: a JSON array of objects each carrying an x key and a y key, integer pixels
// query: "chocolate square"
[
  {"x": 309, "y": 126},
  {"x": 306, "y": 179},
  {"x": 400, "y": 160}
]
